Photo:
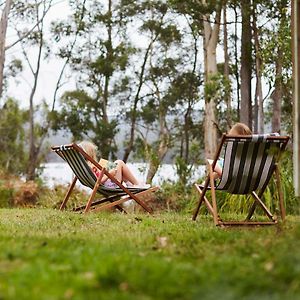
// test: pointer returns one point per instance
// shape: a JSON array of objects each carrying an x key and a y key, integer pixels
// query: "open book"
[
  {"x": 108, "y": 165},
  {"x": 103, "y": 163}
]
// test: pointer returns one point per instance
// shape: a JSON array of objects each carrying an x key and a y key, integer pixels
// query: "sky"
[{"x": 20, "y": 87}]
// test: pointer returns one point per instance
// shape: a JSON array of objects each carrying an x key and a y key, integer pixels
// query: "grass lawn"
[{"x": 47, "y": 254}]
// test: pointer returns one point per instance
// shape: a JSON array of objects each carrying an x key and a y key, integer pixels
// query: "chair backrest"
[
  {"x": 249, "y": 162},
  {"x": 77, "y": 163}
]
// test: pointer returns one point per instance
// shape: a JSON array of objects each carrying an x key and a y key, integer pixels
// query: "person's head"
[
  {"x": 89, "y": 148},
  {"x": 239, "y": 129}
]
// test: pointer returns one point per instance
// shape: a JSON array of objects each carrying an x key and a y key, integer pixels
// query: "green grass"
[{"x": 47, "y": 254}]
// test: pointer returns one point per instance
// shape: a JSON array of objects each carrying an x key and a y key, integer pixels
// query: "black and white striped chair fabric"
[
  {"x": 248, "y": 163},
  {"x": 83, "y": 172}
]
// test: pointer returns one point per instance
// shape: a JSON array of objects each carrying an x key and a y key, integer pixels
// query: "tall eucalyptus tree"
[
  {"x": 246, "y": 64},
  {"x": 99, "y": 62},
  {"x": 206, "y": 15},
  {"x": 163, "y": 69},
  {"x": 28, "y": 23},
  {"x": 3, "y": 30}
]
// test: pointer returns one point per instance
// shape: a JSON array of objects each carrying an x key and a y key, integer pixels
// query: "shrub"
[{"x": 6, "y": 195}]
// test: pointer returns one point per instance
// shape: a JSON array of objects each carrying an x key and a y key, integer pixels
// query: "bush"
[
  {"x": 6, "y": 195},
  {"x": 53, "y": 197},
  {"x": 176, "y": 197}
]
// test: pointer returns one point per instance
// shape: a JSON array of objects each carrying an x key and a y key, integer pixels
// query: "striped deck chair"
[
  {"x": 77, "y": 159},
  {"x": 249, "y": 163}
]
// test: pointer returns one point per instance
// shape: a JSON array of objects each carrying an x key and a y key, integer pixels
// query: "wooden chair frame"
[
  {"x": 115, "y": 199},
  {"x": 212, "y": 206}
]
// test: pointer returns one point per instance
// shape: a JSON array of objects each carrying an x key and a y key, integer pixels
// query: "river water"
[{"x": 60, "y": 173}]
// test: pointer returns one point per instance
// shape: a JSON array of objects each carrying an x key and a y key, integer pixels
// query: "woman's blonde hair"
[
  {"x": 240, "y": 129},
  {"x": 90, "y": 149}
]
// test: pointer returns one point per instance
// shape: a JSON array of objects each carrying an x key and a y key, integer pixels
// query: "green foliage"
[
  {"x": 6, "y": 195},
  {"x": 184, "y": 89},
  {"x": 292, "y": 204},
  {"x": 276, "y": 50},
  {"x": 15, "y": 67},
  {"x": 100, "y": 61},
  {"x": 174, "y": 196},
  {"x": 81, "y": 116},
  {"x": 115, "y": 256},
  {"x": 12, "y": 143},
  {"x": 216, "y": 88},
  {"x": 184, "y": 168},
  {"x": 52, "y": 198},
  {"x": 142, "y": 61},
  {"x": 195, "y": 8}
]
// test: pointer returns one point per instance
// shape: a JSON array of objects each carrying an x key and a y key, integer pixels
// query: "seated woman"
[
  {"x": 117, "y": 169},
  {"x": 237, "y": 129}
]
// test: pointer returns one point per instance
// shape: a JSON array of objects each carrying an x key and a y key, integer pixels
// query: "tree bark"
[
  {"x": 246, "y": 63},
  {"x": 210, "y": 40},
  {"x": 129, "y": 147},
  {"x": 3, "y": 30},
  {"x": 226, "y": 68},
  {"x": 259, "y": 104},
  {"x": 164, "y": 140},
  {"x": 33, "y": 149},
  {"x": 34, "y": 144},
  {"x": 236, "y": 60},
  {"x": 277, "y": 95}
]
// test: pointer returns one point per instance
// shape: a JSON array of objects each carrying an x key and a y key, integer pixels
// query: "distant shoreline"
[{"x": 60, "y": 173}]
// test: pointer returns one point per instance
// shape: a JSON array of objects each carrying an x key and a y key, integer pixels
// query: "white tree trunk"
[
  {"x": 210, "y": 40},
  {"x": 3, "y": 30}
]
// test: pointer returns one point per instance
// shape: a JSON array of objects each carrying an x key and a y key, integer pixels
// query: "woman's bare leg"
[{"x": 123, "y": 173}]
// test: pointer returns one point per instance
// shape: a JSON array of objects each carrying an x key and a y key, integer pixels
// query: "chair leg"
[
  {"x": 265, "y": 209},
  {"x": 213, "y": 195},
  {"x": 95, "y": 189},
  {"x": 63, "y": 204},
  {"x": 131, "y": 195},
  {"x": 204, "y": 199},
  {"x": 251, "y": 211},
  {"x": 98, "y": 202},
  {"x": 122, "y": 200},
  {"x": 280, "y": 193},
  {"x": 202, "y": 195},
  {"x": 106, "y": 206},
  {"x": 253, "y": 207},
  {"x": 139, "y": 201},
  {"x": 211, "y": 209}
]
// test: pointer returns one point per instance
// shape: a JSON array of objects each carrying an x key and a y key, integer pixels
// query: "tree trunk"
[
  {"x": 259, "y": 105},
  {"x": 278, "y": 92},
  {"x": 3, "y": 30},
  {"x": 277, "y": 95},
  {"x": 164, "y": 140},
  {"x": 129, "y": 147},
  {"x": 210, "y": 40},
  {"x": 33, "y": 149},
  {"x": 34, "y": 145},
  {"x": 226, "y": 69},
  {"x": 105, "y": 150},
  {"x": 246, "y": 63},
  {"x": 185, "y": 145},
  {"x": 236, "y": 60}
]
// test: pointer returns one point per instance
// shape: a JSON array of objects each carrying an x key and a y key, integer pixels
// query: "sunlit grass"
[{"x": 47, "y": 254}]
